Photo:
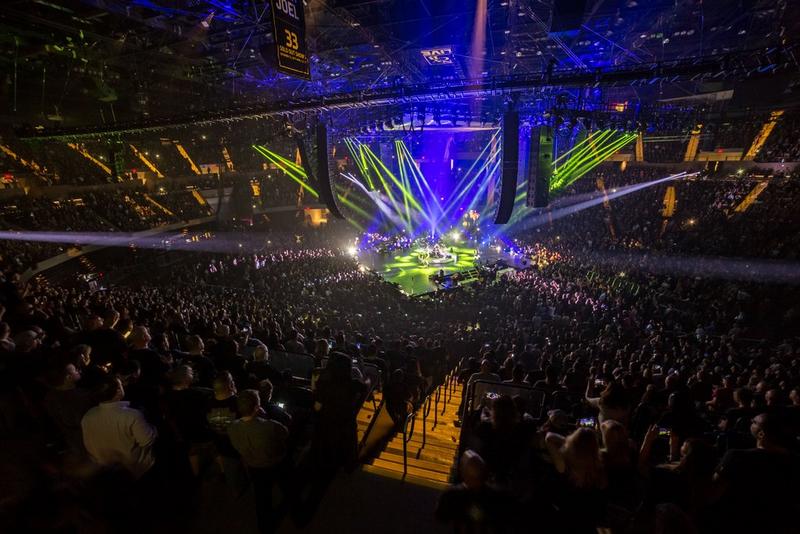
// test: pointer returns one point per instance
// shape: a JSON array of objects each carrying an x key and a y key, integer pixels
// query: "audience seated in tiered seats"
[{"x": 626, "y": 397}]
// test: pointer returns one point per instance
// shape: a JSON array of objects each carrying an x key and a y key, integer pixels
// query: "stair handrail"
[
  {"x": 431, "y": 401},
  {"x": 408, "y": 434},
  {"x": 436, "y": 407}
]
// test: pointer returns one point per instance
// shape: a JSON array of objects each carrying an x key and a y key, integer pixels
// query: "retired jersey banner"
[{"x": 288, "y": 21}]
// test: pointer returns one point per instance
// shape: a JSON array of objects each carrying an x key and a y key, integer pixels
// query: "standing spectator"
[
  {"x": 66, "y": 404},
  {"x": 473, "y": 505},
  {"x": 153, "y": 367},
  {"x": 753, "y": 482},
  {"x": 185, "y": 417},
  {"x": 262, "y": 445},
  {"x": 202, "y": 365},
  {"x": 221, "y": 412},
  {"x": 338, "y": 398},
  {"x": 107, "y": 343},
  {"x": 613, "y": 403},
  {"x": 580, "y": 494}
]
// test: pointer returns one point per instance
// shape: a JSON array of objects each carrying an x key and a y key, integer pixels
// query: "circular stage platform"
[
  {"x": 412, "y": 268},
  {"x": 436, "y": 255}
]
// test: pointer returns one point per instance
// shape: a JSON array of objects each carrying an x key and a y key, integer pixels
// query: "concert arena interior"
[{"x": 359, "y": 266}]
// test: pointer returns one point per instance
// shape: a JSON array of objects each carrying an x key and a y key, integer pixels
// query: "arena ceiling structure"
[{"x": 86, "y": 66}]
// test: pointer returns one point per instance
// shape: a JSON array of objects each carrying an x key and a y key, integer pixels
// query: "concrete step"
[
  {"x": 433, "y": 445},
  {"x": 412, "y": 471},
  {"x": 430, "y": 454},
  {"x": 411, "y": 479},
  {"x": 428, "y": 465},
  {"x": 431, "y": 441}
]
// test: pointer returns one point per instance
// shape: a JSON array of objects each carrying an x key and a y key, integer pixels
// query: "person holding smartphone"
[{"x": 612, "y": 403}]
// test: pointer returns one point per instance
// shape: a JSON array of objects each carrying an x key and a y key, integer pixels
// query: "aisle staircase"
[
  {"x": 751, "y": 197},
  {"x": 367, "y": 413},
  {"x": 424, "y": 453},
  {"x": 762, "y": 136}
]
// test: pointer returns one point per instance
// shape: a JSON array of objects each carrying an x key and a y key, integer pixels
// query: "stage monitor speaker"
[
  {"x": 540, "y": 167},
  {"x": 567, "y": 15},
  {"x": 508, "y": 187},
  {"x": 323, "y": 178}
]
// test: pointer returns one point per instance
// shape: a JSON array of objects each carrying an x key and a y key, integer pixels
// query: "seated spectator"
[
  {"x": 115, "y": 434},
  {"x": 549, "y": 384},
  {"x": 722, "y": 397},
  {"x": 260, "y": 368},
  {"x": 486, "y": 373},
  {"x": 273, "y": 410},
  {"x": 742, "y": 411},
  {"x": 517, "y": 376}
]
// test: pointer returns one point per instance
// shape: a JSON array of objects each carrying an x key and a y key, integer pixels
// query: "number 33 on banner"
[{"x": 291, "y": 40}]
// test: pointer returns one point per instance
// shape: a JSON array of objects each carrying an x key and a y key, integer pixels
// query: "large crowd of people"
[{"x": 669, "y": 397}]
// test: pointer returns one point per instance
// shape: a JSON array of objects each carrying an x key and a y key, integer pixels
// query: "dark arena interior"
[{"x": 359, "y": 266}]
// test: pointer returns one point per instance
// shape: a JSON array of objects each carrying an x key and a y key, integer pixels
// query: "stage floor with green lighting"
[{"x": 405, "y": 268}]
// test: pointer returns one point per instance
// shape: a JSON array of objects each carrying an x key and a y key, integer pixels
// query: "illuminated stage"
[{"x": 412, "y": 268}]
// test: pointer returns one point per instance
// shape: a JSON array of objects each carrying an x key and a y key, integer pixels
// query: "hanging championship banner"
[{"x": 289, "y": 24}]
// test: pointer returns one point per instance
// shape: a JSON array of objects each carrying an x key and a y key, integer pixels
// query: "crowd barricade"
[
  {"x": 480, "y": 392},
  {"x": 300, "y": 365}
]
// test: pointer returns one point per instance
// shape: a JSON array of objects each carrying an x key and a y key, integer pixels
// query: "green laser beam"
[
  {"x": 563, "y": 174},
  {"x": 589, "y": 163},
  {"x": 404, "y": 180},
  {"x": 575, "y": 147},
  {"x": 346, "y": 201},
  {"x": 264, "y": 152},
  {"x": 355, "y": 152},
  {"x": 585, "y": 152},
  {"x": 394, "y": 179},
  {"x": 386, "y": 187},
  {"x": 582, "y": 152}
]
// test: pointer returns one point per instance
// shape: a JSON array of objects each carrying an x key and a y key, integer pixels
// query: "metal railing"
[
  {"x": 430, "y": 404},
  {"x": 411, "y": 419},
  {"x": 534, "y": 397}
]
